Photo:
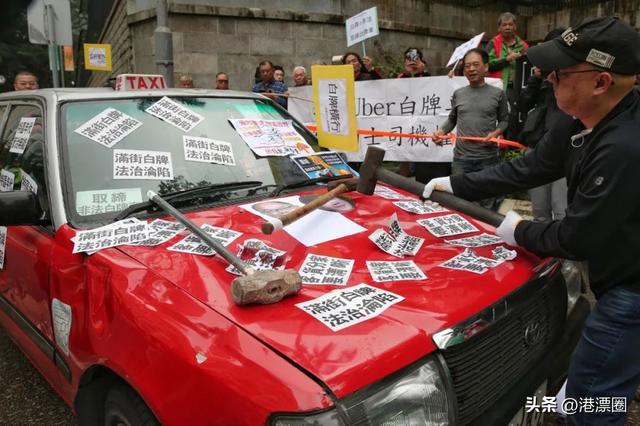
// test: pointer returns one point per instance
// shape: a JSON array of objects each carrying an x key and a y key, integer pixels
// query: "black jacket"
[
  {"x": 537, "y": 100},
  {"x": 602, "y": 224}
]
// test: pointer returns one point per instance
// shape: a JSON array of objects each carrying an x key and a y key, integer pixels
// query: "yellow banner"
[
  {"x": 97, "y": 57},
  {"x": 334, "y": 101},
  {"x": 68, "y": 58}
]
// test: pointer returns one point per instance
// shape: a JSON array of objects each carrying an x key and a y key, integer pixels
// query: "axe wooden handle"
[{"x": 292, "y": 216}]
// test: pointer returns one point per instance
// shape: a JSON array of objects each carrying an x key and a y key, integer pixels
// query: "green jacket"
[{"x": 499, "y": 67}]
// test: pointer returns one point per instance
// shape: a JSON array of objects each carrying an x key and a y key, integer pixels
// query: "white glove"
[
  {"x": 440, "y": 184},
  {"x": 507, "y": 228}
]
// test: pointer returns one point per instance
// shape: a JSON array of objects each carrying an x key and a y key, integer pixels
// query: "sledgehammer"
[
  {"x": 371, "y": 171},
  {"x": 264, "y": 286}
]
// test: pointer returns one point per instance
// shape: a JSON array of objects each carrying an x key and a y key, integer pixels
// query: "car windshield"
[{"x": 109, "y": 167}]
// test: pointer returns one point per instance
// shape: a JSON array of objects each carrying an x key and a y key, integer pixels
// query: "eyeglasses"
[
  {"x": 222, "y": 81},
  {"x": 556, "y": 73}
]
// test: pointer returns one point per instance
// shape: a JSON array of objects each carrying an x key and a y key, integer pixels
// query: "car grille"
[{"x": 485, "y": 367}]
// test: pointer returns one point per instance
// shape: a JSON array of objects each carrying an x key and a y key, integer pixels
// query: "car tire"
[{"x": 124, "y": 407}]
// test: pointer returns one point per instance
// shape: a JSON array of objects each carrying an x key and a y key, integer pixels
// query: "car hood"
[{"x": 359, "y": 355}]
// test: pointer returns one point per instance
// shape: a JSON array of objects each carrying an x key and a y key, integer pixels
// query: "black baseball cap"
[{"x": 607, "y": 42}]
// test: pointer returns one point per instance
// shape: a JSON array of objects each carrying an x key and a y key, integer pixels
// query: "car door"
[{"x": 24, "y": 278}]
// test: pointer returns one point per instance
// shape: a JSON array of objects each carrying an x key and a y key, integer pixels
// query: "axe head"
[
  {"x": 265, "y": 287},
  {"x": 369, "y": 170}
]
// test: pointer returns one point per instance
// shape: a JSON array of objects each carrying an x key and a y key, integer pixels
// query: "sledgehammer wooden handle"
[{"x": 292, "y": 216}]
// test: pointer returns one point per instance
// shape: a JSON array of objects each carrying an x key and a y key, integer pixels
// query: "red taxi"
[{"x": 144, "y": 334}]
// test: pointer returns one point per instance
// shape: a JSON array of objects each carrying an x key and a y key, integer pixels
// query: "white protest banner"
[
  {"x": 28, "y": 183},
  {"x": 400, "y": 105},
  {"x": 419, "y": 207},
  {"x": 3, "y": 244},
  {"x": 271, "y": 137},
  {"x": 343, "y": 308},
  {"x": 258, "y": 255},
  {"x": 161, "y": 231},
  {"x": 116, "y": 234},
  {"x": 396, "y": 241},
  {"x": 106, "y": 200},
  {"x": 483, "y": 239},
  {"x": 138, "y": 164},
  {"x": 382, "y": 271},
  {"x": 471, "y": 262},
  {"x": 444, "y": 226},
  {"x": 109, "y": 127},
  {"x": 61, "y": 313},
  {"x": 22, "y": 135},
  {"x": 389, "y": 194},
  {"x": 362, "y": 26},
  {"x": 325, "y": 270},
  {"x": 175, "y": 114},
  {"x": 7, "y": 180},
  {"x": 207, "y": 150},
  {"x": 503, "y": 253},
  {"x": 194, "y": 245},
  {"x": 464, "y": 48}
]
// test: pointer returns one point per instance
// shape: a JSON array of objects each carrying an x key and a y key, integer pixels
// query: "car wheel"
[{"x": 124, "y": 407}]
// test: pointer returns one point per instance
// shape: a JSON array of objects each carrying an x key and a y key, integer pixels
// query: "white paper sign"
[
  {"x": 389, "y": 194},
  {"x": 175, "y": 114},
  {"x": 146, "y": 165},
  {"x": 334, "y": 117},
  {"x": 396, "y": 242},
  {"x": 419, "y": 207},
  {"x": 343, "y": 308},
  {"x": 28, "y": 183},
  {"x": 362, "y": 26},
  {"x": 325, "y": 270},
  {"x": 471, "y": 262},
  {"x": 207, "y": 150},
  {"x": 258, "y": 255},
  {"x": 451, "y": 224},
  {"x": 61, "y": 313},
  {"x": 7, "y": 180},
  {"x": 317, "y": 227},
  {"x": 161, "y": 231},
  {"x": 107, "y": 200},
  {"x": 22, "y": 135},
  {"x": 464, "y": 48},
  {"x": 194, "y": 245},
  {"x": 271, "y": 137},
  {"x": 503, "y": 253},
  {"x": 109, "y": 127},
  {"x": 117, "y": 234},
  {"x": 382, "y": 271},
  {"x": 3, "y": 244},
  {"x": 483, "y": 239}
]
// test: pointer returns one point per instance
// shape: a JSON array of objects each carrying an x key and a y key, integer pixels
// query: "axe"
[
  {"x": 371, "y": 171},
  {"x": 264, "y": 287}
]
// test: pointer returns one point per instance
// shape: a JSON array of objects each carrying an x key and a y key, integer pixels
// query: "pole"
[
  {"x": 364, "y": 49},
  {"x": 53, "y": 48},
  {"x": 164, "y": 43},
  {"x": 59, "y": 51}
]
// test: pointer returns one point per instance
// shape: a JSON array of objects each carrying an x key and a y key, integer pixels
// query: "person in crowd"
[
  {"x": 185, "y": 81},
  {"x": 414, "y": 65},
  {"x": 537, "y": 100},
  {"x": 270, "y": 87},
  {"x": 300, "y": 76},
  {"x": 278, "y": 73},
  {"x": 595, "y": 146},
  {"x": 359, "y": 69},
  {"x": 25, "y": 80},
  {"x": 478, "y": 109},
  {"x": 222, "y": 81},
  {"x": 504, "y": 50}
]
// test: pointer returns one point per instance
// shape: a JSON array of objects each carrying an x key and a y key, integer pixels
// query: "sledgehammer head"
[
  {"x": 264, "y": 287},
  {"x": 369, "y": 170}
]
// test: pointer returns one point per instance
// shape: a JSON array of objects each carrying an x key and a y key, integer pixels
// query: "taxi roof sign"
[{"x": 132, "y": 82}]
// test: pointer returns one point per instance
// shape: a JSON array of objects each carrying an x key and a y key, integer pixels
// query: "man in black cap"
[{"x": 597, "y": 148}]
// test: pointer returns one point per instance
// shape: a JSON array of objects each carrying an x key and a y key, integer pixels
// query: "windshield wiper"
[
  {"x": 187, "y": 194},
  {"x": 306, "y": 182}
]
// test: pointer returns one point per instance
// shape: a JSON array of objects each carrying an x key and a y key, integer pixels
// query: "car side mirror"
[{"x": 20, "y": 208}]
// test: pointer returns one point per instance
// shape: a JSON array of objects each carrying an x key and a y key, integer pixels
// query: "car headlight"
[
  {"x": 573, "y": 279},
  {"x": 417, "y": 397}
]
